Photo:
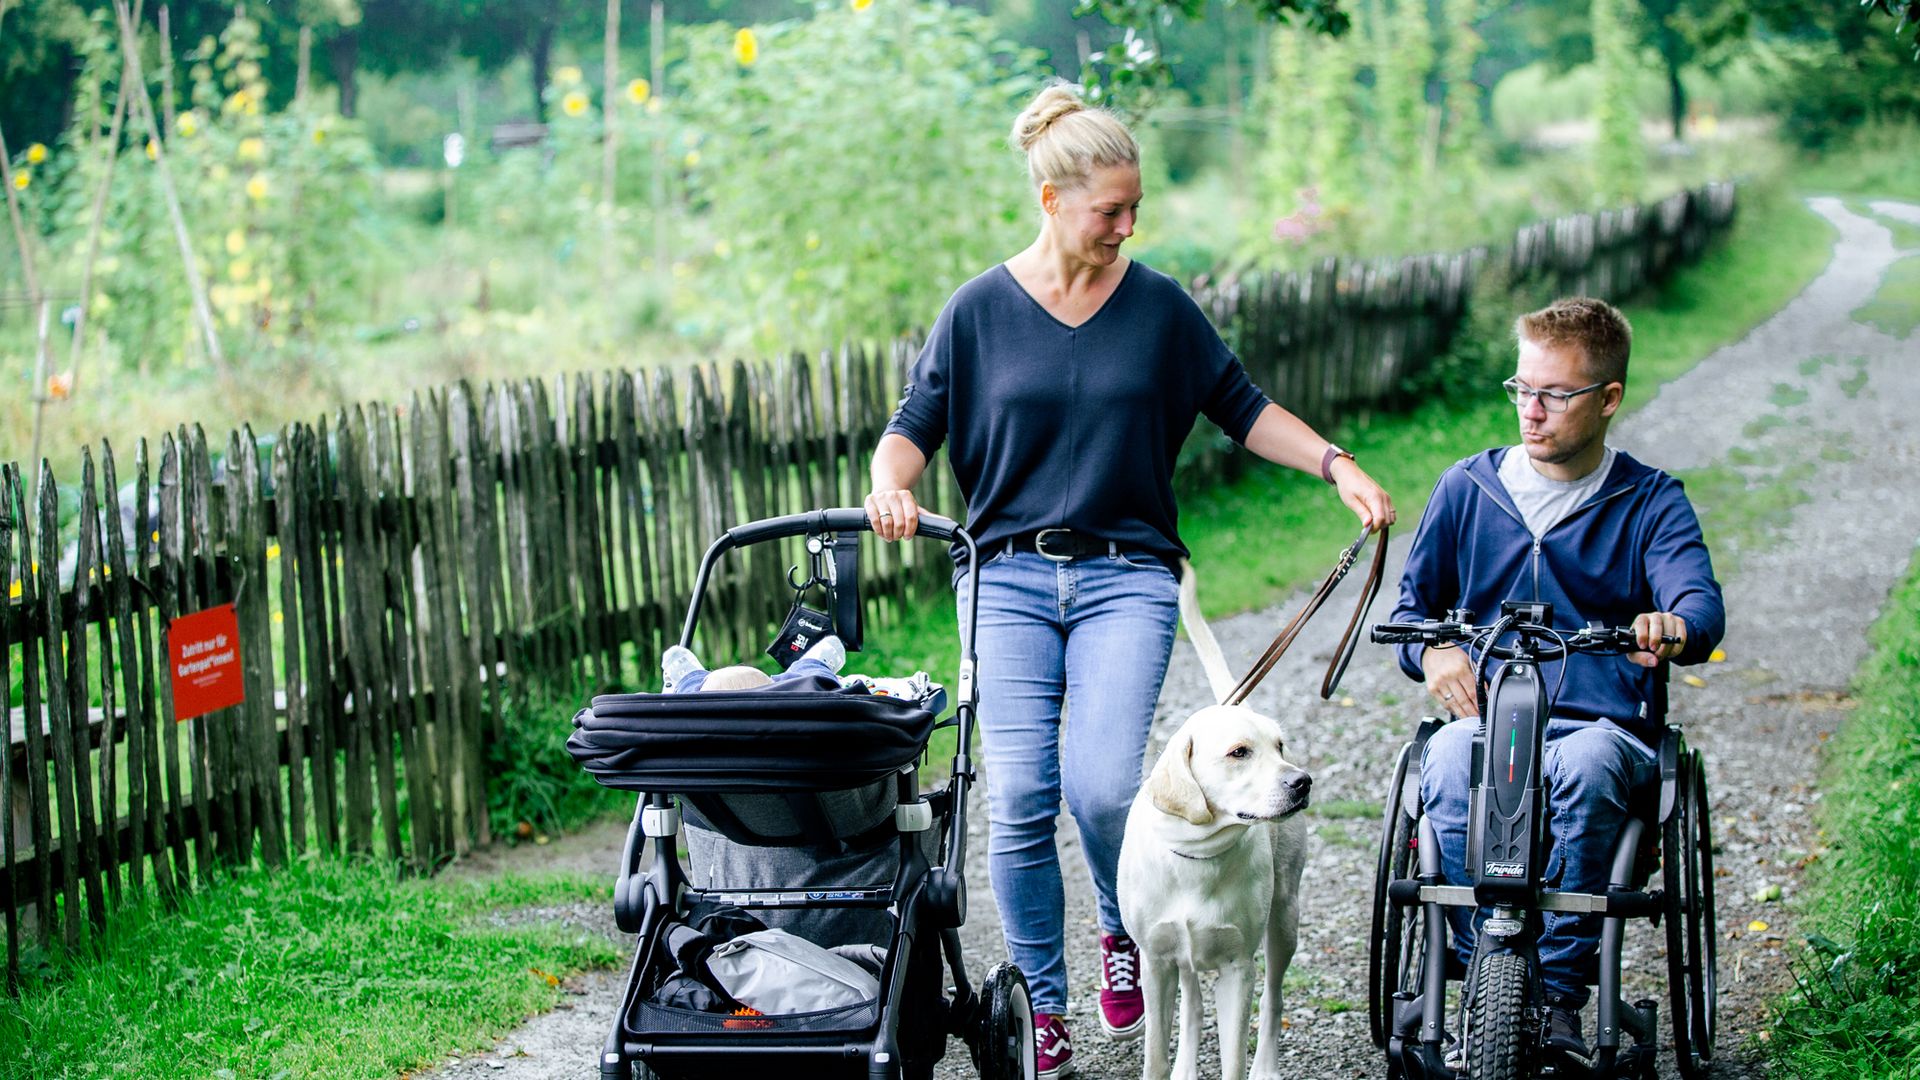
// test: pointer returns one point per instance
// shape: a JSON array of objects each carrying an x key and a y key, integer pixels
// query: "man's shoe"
[
  {"x": 1052, "y": 1046},
  {"x": 1563, "y": 1032},
  {"x": 1123, "y": 1008}
]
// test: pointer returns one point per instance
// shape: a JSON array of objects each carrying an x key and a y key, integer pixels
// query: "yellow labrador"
[{"x": 1210, "y": 871}]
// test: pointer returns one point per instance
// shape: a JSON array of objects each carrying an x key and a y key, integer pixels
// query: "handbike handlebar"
[{"x": 1539, "y": 642}]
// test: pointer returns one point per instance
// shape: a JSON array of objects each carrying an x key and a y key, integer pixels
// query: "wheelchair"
[{"x": 1662, "y": 872}]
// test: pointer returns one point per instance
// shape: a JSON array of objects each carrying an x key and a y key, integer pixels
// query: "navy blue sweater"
[
  {"x": 1049, "y": 425},
  {"x": 1634, "y": 547}
]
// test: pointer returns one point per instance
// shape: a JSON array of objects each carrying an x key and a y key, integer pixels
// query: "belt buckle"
[{"x": 1040, "y": 545}]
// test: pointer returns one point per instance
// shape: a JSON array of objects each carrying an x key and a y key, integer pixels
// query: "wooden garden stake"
[
  {"x": 130, "y": 48},
  {"x": 94, "y": 225}
]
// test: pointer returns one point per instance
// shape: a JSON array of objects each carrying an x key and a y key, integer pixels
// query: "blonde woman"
[{"x": 1063, "y": 382}]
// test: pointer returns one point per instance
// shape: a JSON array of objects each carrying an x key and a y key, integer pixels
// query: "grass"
[
  {"x": 325, "y": 969},
  {"x": 1856, "y": 382},
  {"x": 1906, "y": 235},
  {"x": 1875, "y": 163},
  {"x": 1895, "y": 308},
  {"x": 1742, "y": 509},
  {"x": 1856, "y": 1011}
]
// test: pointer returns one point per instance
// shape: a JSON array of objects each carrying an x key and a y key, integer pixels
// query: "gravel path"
[{"x": 1812, "y": 399}]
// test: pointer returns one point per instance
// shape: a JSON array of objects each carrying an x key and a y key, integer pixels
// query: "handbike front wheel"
[{"x": 1496, "y": 1034}]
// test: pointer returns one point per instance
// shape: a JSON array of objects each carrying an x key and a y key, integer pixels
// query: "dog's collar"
[{"x": 1197, "y": 858}]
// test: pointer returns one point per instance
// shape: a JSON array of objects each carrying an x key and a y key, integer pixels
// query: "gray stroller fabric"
[{"x": 714, "y": 862}]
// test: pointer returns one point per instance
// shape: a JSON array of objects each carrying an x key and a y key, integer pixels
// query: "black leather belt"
[{"x": 1060, "y": 545}]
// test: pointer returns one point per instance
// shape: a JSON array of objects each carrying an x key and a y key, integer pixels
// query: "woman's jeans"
[
  {"x": 1071, "y": 659},
  {"x": 1590, "y": 771}
]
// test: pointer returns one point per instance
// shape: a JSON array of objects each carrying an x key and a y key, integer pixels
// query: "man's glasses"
[{"x": 1554, "y": 401}]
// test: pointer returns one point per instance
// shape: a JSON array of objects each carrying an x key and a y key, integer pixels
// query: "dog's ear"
[{"x": 1172, "y": 786}]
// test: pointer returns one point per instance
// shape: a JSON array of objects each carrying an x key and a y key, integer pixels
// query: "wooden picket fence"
[{"x": 398, "y": 571}]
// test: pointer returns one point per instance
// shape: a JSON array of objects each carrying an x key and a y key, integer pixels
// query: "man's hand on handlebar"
[
  {"x": 894, "y": 513},
  {"x": 1661, "y": 635},
  {"x": 1450, "y": 680}
]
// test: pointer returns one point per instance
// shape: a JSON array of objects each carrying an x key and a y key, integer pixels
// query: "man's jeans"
[
  {"x": 1590, "y": 771},
  {"x": 1098, "y": 631}
]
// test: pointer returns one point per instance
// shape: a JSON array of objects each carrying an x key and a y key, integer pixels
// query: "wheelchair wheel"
[
  {"x": 1003, "y": 1046},
  {"x": 1395, "y": 935},
  {"x": 1496, "y": 1018},
  {"x": 1687, "y": 865}
]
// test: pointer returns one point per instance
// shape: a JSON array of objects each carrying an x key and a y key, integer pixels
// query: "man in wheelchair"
[{"x": 1566, "y": 519}]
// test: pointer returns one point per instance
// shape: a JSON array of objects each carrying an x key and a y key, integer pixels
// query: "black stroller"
[{"x": 817, "y": 772}]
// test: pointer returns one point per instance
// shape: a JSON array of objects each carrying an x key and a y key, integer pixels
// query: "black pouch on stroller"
[{"x": 802, "y": 809}]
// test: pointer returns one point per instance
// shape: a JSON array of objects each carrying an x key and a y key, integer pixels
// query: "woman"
[{"x": 1064, "y": 382}]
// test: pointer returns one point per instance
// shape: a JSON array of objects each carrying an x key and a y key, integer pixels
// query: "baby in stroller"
[{"x": 682, "y": 673}]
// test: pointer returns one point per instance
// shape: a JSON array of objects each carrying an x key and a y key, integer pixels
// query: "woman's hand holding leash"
[{"x": 1368, "y": 500}]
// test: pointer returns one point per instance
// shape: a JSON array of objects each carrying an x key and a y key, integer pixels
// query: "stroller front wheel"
[{"x": 1002, "y": 1045}]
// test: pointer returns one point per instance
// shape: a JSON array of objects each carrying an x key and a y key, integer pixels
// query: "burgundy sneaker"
[
  {"x": 1123, "y": 1010},
  {"x": 1052, "y": 1047}
]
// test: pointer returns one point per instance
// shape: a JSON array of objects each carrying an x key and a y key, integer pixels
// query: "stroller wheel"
[{"x": 1002, "y": 1044}]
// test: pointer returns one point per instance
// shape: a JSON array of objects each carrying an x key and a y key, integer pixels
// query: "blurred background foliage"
[{"x": 381, "y": 195}]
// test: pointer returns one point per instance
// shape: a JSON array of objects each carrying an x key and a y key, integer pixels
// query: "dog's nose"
[{"x": 1298, "y": 783}]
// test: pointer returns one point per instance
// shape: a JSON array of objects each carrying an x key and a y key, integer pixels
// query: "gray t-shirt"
[{"x": 1544, "y": 503}]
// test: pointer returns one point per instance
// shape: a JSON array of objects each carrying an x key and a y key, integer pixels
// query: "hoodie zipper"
[{"x": 1534, "y": 564}]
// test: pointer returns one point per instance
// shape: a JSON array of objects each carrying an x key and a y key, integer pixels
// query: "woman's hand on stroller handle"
[{"x": 893, "y": 514}]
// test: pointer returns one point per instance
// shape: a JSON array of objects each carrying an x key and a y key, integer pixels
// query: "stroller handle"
[{"x": 833, "y": 519}]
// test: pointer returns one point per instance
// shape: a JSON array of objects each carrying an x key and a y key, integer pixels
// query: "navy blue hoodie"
[{"x": 1634, "y": 547}]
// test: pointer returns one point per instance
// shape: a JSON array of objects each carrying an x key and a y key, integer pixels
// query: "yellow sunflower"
[
  {"x": 574, "y": 104},
  {"x": 746, "y": 47}
]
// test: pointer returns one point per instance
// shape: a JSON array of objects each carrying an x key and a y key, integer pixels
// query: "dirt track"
[{"x": 1814, "y": 400}]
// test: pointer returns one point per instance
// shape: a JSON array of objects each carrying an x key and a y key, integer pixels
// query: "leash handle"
[{"x": 1348, "y": 642}]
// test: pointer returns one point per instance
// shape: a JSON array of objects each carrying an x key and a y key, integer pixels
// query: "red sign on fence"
[{"x": 204, "y": 659}]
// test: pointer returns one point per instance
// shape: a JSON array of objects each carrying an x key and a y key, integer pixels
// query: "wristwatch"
[{"x": 1326, "y": 461}]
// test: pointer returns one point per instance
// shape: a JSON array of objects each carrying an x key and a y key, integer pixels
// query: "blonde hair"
[
  {"x": 1065, "y": 139},
  {"x": 739, "y": 677}
]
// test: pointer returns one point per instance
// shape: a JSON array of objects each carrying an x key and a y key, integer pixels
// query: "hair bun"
[{"x": 1049, "y": 105}]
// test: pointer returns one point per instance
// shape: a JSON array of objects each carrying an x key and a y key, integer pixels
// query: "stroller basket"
[
  {"x": 748, "y": 741},
  {"x": 651, "y": 1017}
]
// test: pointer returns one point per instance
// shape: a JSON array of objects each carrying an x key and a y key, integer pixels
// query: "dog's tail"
[{"x": 1212, "y": 660}]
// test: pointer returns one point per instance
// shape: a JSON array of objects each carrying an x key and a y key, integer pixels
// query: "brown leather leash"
[{"x": 1348, "y": 641}]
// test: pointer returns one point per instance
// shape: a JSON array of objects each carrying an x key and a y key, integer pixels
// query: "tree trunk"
[
  {"x": 344, "y": 52},
  {"x": 1676, "y": 94},
  {"x": 540, "y": 52}
]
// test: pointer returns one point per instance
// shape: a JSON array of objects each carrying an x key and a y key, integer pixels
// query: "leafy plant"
[{"x": 850, "y": 174}]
